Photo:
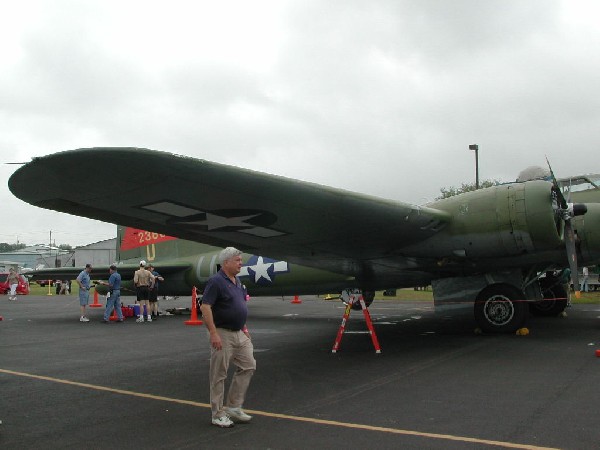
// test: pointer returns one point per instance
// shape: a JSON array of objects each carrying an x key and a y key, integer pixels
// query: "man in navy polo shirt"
[{"x": 224, "y": 311}]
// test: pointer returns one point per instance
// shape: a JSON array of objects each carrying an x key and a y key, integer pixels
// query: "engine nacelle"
[
  {"x": 588, "y": 237},
  {"x": 500, "y": 221}
]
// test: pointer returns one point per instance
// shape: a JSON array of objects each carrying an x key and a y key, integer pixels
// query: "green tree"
[
  {"x": 5, "y": 247},
  {"x": 465, "y": 187},
  {"x": 66, "y": 247}
]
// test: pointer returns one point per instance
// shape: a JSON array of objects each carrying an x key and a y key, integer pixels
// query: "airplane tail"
[{"x": 134, "y": 245}]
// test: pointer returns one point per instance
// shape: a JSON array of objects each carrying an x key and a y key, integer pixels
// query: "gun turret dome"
[{"x": 533, "y": 173}]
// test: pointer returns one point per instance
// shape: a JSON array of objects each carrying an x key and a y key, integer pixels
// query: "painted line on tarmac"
[{"x": 334, "y": 423}]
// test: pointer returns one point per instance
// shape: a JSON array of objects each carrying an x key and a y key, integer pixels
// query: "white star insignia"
[{"x": 260, "y": 269}]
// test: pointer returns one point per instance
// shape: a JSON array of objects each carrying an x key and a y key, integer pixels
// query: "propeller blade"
[
  {"x": 567, "y": 213},
  {"x": 561, "y": 198},
  {"x": 572, "y": 256}
]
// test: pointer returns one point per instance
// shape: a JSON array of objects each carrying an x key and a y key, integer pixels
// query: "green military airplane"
[{"x": 499, "y": 249}]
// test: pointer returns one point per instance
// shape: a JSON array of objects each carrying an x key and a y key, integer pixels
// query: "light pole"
[{"x": 476, "y": 148}]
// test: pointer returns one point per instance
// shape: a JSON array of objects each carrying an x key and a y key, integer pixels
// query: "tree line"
[{"x": 451, "y": 191}]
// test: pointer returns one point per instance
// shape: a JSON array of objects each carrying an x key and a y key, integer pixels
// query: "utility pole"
[{"x": 476, "y": 148}]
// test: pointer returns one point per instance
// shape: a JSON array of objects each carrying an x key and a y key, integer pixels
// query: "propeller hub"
[{"x": 578, "y": 209}]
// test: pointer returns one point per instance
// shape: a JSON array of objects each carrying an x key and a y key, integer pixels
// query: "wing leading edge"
[{"x": 223, "y": 205}]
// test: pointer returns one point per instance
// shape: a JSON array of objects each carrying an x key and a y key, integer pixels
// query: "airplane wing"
[{"x": 223, "y": 205}]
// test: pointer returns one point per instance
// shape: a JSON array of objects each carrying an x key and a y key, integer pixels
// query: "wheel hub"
[{"x": 499, "y": 310}]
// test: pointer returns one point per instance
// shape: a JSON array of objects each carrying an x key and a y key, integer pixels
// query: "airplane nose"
[{"x": 587, "y": 227}]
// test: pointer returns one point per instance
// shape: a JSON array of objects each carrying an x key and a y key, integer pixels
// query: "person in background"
[
  {"x": 64, "y": 288},
  {"x": 153, "y": 294},
  {"x": 143, "y": 281},
  {"x": 13, "y": 283},
  {"x": 584, "y": 280},
  {"x": 84, "y": 281},
  {"x": 114, "y": 299}
]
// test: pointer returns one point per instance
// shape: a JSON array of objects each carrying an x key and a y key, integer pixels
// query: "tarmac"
[{"x": 435, "y": 385}]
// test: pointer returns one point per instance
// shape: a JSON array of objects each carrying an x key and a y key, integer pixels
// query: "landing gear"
[
  {"x": 500, "y": 308},
  {"x": 556, "y": 298},
  {"x": 351, "y": 296}
]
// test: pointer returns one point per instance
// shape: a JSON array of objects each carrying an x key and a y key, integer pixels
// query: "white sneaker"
[
  {"x": 84, "y": 319},
  {"x": 223, "y": 422},
  {"x": 140, "y": 319},
  {"x": 237, "y": 414},
  {"x": 148, "y": 319}
]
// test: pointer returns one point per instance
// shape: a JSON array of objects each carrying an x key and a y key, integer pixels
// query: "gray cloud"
[{"x": 376, "y": 97}]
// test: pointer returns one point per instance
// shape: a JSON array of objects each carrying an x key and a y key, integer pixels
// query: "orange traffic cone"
[
  {"x": 96, "y": 304},
  {"x": 296, "y": 299},
  {"x": 114, "y": 317},
  {"x": 194, "y": 317}
]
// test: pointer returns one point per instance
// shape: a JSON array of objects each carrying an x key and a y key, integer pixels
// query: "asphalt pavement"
[{"x": 435, "y": 385}]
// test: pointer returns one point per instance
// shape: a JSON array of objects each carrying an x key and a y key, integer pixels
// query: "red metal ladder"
[{"x": 346, "y": 316}]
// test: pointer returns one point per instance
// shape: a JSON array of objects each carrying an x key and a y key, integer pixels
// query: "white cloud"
[{"x": 377, "y": 97}]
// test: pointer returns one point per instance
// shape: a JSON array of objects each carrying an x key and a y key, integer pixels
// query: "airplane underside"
[{"x": 503, "y": 300}]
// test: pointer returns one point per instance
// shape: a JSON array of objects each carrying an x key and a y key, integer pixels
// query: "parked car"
[{"x": 22, "y": 287}]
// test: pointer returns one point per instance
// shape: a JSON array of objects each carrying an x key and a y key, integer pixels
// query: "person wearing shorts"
[
  {"x": 153, "y": 295},
  {"x": 84, "y": 281},
  {"x": 143, "y": 280}
]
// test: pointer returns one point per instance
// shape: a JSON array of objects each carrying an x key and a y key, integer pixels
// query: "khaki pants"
[{"x": 237, "y": 348}]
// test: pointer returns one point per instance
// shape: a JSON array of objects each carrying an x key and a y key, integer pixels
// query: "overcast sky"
[{"x": 379, "y": 97}]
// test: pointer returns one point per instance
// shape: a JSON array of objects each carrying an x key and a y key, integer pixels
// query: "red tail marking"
[{"x": 134, "y": 238}]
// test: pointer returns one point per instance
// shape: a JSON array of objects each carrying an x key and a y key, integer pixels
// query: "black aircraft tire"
[
  {"x": 368, "y": 297},
  {"x": 555, "y": 300},
  {"x": 500, "y": 308}
]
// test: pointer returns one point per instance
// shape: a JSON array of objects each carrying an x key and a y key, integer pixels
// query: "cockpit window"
[{"x": 582, "y": 183}]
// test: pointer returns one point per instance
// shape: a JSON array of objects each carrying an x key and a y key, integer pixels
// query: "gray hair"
[{"x": 228, "y": 253}]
